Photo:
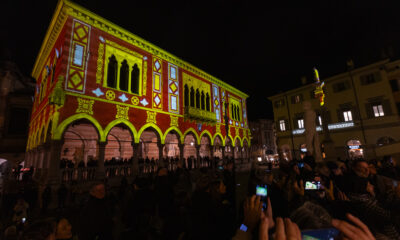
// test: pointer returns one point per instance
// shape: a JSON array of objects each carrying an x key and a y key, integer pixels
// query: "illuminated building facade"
[
  {"x": 103, "y": 92},
  {"x": 363, "y": 107}
]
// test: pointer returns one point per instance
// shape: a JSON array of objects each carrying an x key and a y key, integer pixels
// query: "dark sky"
[{"x": 262, "y": 50}]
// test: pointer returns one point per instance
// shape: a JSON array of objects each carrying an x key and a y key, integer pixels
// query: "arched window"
[
  {"x": 238, "y": 113},
  {"x": 112, "y": 72},
  {"x": 191, "y": 97},
  {"x": 207, "y": 102},
  {"x": 202, "y": 101},
  {"x": 124, "y": 76},
  {"x": 197, "y": 98},
  {"x": 186, "y": 95},
  {"x": 232, "y": 112},
  {"x": 135, "y": 73}
]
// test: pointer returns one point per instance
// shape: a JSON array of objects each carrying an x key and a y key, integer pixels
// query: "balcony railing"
[{"x": 199, "y": 114}]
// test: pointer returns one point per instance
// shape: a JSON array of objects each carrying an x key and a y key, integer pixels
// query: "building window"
[
  {"x": 202, "y": 100},
  {"x": 208, "y": 102},
  {"x": 279, "y": 103},
  {"x": 378, "y": 110},
  {"x": 395, "y": 84},
  {"x": 191, "y": 97},
  {"x": 320, "y": 120},
  {"x": 135, "y": 79},
  {"x": 347, "y": 116},
  {"x": 282, "y": 126},
  {"x": 197, "y": 99},
  {"x": 370, "y": 78},
  {"x": 340, "y": 86},
  {"x": 112, "y": 72},
  {"x": 186, "y": 95},
  {"x": 300, "y": 123},
  {"x": 124, "y": 76}
]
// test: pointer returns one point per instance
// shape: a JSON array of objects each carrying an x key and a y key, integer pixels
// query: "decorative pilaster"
[
  {"x": 160, "y": 154},
  {"x": 135, "y": 162},
  {"x": 181, "y": 151}
]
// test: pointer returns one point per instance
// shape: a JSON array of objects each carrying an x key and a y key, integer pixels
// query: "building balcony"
[{"x": 199, "y": 114}]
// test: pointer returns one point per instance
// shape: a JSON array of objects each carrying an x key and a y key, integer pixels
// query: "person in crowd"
[
  {"x": 46, "y": 198},
  {"x": 62, "y": 194},
  {"x": 40, "y": 230},
  {"x": 64, "y": 230},
  {"x": 96, "y": 217},
  {"x": 20, "y": 212}
]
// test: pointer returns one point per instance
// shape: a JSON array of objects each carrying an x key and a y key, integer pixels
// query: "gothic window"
[
  {"x": 186, "y": 95},
  {"x": 207, "y": 102},
  {"x": 112, "y": 72},
  {"x": 191, "y": 97},
  {"x": 135, "y": 73},
  {"x": 202, "y": 101},
  {"x": 197, "y": 98},
  {"x": 124, "y": 76},
  {"x": 238, "y": 113}
]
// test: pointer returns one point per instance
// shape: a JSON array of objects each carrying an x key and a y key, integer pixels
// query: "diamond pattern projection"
[
  {"x": 157, "y": 100},
  {"x": 144, "y": 102},
  {"x": 157, "y": 65},
  {"x": 216, "y": 102},
  {"x": 173, "y": 87},
  {"x": 98, "y": 92},
  {"x": 123, "y": 98}
]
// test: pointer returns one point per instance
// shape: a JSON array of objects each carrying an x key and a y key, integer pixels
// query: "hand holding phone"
[
  {"x": 312, "y": 185},
  {"x": 262, "y": 191}
]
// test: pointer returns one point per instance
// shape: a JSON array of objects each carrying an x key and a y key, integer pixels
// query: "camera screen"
[
  {"x": 312, "y": 185},
  {"x": 261, "y": 191}
]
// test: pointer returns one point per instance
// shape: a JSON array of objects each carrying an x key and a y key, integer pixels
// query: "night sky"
[{"x": 261, "y": 50}]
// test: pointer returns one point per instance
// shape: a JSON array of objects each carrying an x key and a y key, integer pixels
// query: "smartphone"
[
  {"x": 395, "y": 183},
  {"x": 300, "y": 165},
  {"x": 262, "y": 191},
  {"x": 220, "y": 167},
  {"x": 23, "y": 220},
  {"x": 320, "y": 234},
  {"x": 312, "y": 185}
]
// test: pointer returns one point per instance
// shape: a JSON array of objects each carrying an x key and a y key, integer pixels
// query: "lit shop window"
[
  {"x": 282, "y": 125},
  {"x": 347, "y": 116},
  {"x": 300, "y": 123},
  {"x": 378, "y": 110}
]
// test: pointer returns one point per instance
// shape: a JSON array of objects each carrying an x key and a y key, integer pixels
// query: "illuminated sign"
[{"x": 330, "y": 127}]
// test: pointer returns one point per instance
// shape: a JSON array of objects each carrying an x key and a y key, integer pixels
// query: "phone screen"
[
  {"x": 320, "y": 234},
  {"x": 395, "y": 183},
  {"x": 23, "y": 220},
  {"x": 312, "y": 185},
  {"x": 261, "y": 190},
  {"x": 300, "y": 165}
]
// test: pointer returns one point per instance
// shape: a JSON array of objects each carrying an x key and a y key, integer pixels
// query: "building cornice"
[
  {"x": 66, "y": 7},
  {"x": 336, "y": 77}
]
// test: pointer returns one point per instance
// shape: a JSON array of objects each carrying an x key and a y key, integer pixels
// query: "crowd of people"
[{"x": 352, "y": 199}]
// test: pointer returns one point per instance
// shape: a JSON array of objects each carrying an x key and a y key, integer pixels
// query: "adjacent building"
[
  {"x": 263, "y": 139},
  {"x": 16, "y": 95},
  {"x": 104, "y": 93},
  {"x": 363, "y": 106}
]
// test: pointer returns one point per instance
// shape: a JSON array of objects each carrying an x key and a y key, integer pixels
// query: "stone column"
[
  {"x": 160, "y": 154},
  {"x": 135, "y": 162},
  {"x": 181, "y": 151},
  {"x": 54, "y": 162},
  {"x": 197, "y": 155},
  {"x": 100, "y": 170}
]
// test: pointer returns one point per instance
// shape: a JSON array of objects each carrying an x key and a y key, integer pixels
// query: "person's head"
[
  {"x": 322, "y": 169},
  {"x": 98, "y": 190},
  {"x": 40, "y": 230},
  {"x": 334, "y": 168},
  {"x": 372, "y": 169},
  {"x": 63, "y": 229},
  {"x": 162, "y": 172},
  {"x": 360, "y": 167}
]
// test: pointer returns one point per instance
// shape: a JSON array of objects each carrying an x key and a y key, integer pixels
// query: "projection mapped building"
[{"x": 103, "y": 92}]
